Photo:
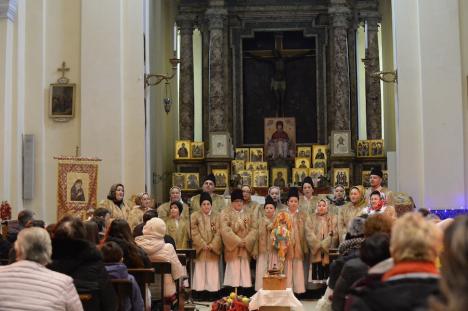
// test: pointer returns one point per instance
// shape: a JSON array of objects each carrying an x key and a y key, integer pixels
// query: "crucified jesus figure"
[{"x": 278, "y": 81}]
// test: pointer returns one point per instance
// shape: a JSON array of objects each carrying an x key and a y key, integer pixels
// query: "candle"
[
  {"x": 174, "y": 39},
  {"x": 365, "y": 34}
]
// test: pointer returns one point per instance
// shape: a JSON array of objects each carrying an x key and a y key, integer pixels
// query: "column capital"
[
  {"x": 216, "y": 17},
  {"x": 185, "y": 22},
  {"x": 8, "y": 9},
  {"x": 340, "y": 13}
]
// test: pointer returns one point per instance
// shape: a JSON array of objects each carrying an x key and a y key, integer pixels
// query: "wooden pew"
[
  {"x": 144, "y": 277},
  {"x": 161, "y": 268},
  {"x": 123, "y": 289}
]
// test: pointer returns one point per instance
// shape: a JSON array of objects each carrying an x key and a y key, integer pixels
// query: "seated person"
[
  {"x": 152, "y": 242},
  {"x": 78, "y": 258},
  {"x": 138, "y": 230},
  {"x": 31, "y": 286},
  {"x": 112, "y": 255},
  {"x": 14, "y": 227}
]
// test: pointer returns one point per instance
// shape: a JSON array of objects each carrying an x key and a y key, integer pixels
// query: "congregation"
[{"x": 385, "y": 261}]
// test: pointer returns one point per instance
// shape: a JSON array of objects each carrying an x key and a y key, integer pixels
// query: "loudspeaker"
[{"x": 28, "y": 166}]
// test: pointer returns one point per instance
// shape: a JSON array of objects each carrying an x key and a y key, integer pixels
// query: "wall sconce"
[
  {"x": 386, "y": 76},
  {"x": 155, "y": 79}
]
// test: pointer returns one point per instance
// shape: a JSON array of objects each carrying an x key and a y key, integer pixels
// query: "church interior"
[{"x": 269, "y": 141}]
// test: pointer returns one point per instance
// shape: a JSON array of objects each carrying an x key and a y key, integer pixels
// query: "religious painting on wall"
[
  {"x": 182, "y": 149},
  {"x": 279, "y": 177},
  {"x": 303, "y": 152},
  {"x": 256, "y": 154},
  {"x": 246, "y": 177},
  {"x": 220, "y": 145},
  {"x": 341, "y": 143},
  {"x": 261, "y": 166},
  {"x": 192, "y": 181},
  {"x": 260, "y": 179},
  {"x": 77, "y": 186},
  {"x": 242, "y": 154},
  {"x": 320, "y": 164},
  {"x": 280, "y": 138},
  {"x": 178, "y": 180},
  {"x": 236, "y": 166},
  {"x": 302, "y": 163},
  {"x": 250, "y": 166},
  {"x": 376, "y": 148},
  {"x": 298, "y": 175},
  {"x": 319, "y": 152},
  {"x": 315, "y": 174},
  {"x": 62, "y": 101},
  {"x": 362, "y": 148},
  {"x": 221, "y": 177},
  {"x": 341, "y": 177},
  {"x": 197, "y": 150}
]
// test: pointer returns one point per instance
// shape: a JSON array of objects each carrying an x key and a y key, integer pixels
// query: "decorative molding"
[{"x": 8, "y": 9}]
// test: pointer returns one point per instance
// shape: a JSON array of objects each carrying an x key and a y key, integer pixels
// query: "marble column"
[
  {"x": 217, "y": 110},
  {"x": 186, "y": 91},
  {"x": 205, "y": 77},
  {"x": 372, "y": 64},
  {"x": 340, "y": 84},
  {"x": 7, "y": 47}
]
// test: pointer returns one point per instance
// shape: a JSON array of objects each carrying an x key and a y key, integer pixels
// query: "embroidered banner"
[{"x": 76, "y": 186}]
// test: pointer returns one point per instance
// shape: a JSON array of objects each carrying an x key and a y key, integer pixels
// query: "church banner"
[{"x": 76, "y": 186}]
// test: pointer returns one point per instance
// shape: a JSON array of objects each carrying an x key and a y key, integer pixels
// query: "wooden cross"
[
  {"x": 63, "y": 69},
  {"x": 285, "y": 53}
]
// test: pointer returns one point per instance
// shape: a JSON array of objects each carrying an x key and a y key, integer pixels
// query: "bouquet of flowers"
[{"x": 281, "y": 235}]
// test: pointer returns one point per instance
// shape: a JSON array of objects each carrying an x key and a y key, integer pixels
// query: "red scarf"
[{"x": 411, "y": 267}]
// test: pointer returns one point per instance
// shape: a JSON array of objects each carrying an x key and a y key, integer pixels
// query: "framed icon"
[
  {"x": 279, "y": 177},
  {"x": 192, "y": 181},
  {"x": 236, "y": 166},
  {"x": 319, "y": 152},
  {"x": 302, "y": 163},
  {"x": 197, "y": 149},
  {"x": 362, "y": 148},
  {"x": 341, "y": 143},
  {"x": 260, "y": 179},
  {"x": 222, "y": 178},
  {"x": 341, "y": 177},
  {"x": 246, "y": 177},
  {"x": 62, "y": 101},
  {"x": 178, "y": 180},
  {"x": 304, "y": 152},
  {"x": 376, "y": 148},
  {"x": 242, "y": 154},
  {"x": 298, "y": 175},
  {"x": 320, "y": 164},
  {"x": 256, "y": 154},
  {"x": 182, "y": 149}
]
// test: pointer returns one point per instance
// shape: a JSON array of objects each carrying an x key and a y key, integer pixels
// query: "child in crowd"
[{"x": 113, "y": 259}]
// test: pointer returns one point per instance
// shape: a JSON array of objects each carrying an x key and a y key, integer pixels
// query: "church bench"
[{"x": 144, "y": 277}]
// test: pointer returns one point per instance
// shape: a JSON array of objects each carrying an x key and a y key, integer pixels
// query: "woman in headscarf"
[
  {"x": 354, "y": 209},
  {"x": 325, "y": 230},
  {"x": 338, "y": 200},
  {"x": 143, "y": 203},
  {"x": 175, "y": 194},
  {"x": 116, "y": 204},
  {"x": 263, "y": 248}
]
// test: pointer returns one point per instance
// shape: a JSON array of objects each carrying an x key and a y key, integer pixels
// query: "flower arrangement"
[{"x": 281, "y": 235}]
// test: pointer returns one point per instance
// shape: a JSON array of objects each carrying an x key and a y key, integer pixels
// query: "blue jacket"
[{"x": 119, "y": 271}]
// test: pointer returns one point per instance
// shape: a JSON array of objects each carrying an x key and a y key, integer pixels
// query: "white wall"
[
  {"x": 102, "y": 44},
  {"x": 429, "y": 112}
]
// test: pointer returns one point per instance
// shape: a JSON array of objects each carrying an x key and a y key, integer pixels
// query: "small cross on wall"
[{"x": 63, "y": 70}]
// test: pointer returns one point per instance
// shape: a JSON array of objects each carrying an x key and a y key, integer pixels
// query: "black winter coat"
[
  {"x": 353, "y": 270},
  {"x": 402, "y": 294},
  {"x": 82, "y": 261}
]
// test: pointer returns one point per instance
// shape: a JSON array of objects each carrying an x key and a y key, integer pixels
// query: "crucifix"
[
  {"x": 278, "y": 58},
  {"x": 63, "y": 70}
]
